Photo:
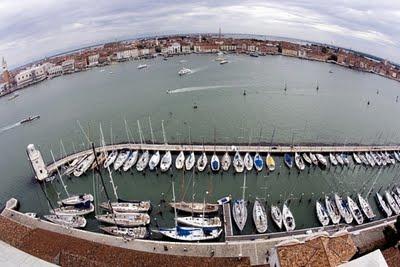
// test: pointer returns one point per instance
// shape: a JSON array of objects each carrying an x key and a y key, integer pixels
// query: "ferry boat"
[
  {"x": 127, "y": 232},
  {"x": 288, "y": 159},
  {"x": 143, "y": 161},
  {"x": 215, "y": 164},
  {"x": 195, "y": 207},
  {"x": 166, "y": 161},
  {"x": 355, "y": 210},
  {"x": 110, "y": 159},
  {"x": 288, "y": 219},
  {"x": 270, "y": 162},
  {"x": 127, "y": 206},
  {"x": 190, "y": 161},
  {"x": 29, "y": 119},
  {"x": 258, "y": 162},
  {"x": 67, "y": 220},
  {"x": 321, "y": 213},
  {"x": 132, "y": 159},
  {"x": 141, "y": 66},
  {"x": 192, "y": 234},
  {"x": 383, "y": 205},
  {"x": 125, "y": 219},
  {"x": 332, "y": 210},
  {"x": 365, "y": 207},
  {"x": 343, "y": 209},
  {"x": 226, "y": 162},
  {"x": 299, "y": 161},
  {"x": 121, "y": 158},
  {"x": 201, "y": 222},
  {"x": 248, "y": 162},
  {"x": 76, "y": 199},
  {"x": 202, "y": 162},
  {"x": 260, "y": 217},
  {"x": 276, "y": 216},
  {"x": 238, "y": 162},
  {"x": 180, "y": 161},
  {"x": 154, "y": 160},
  {"x": 184, "y": 71}
]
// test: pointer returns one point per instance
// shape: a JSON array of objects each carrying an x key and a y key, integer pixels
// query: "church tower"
[{"x": 6, "y": 73}]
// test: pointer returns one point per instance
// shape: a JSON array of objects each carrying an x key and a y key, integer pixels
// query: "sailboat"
[
  {"x": 190, "y": 161},
  {"x": 238, "y": 162},
  {"x": 345, "y": 158},
  {"x": 396, "y": 155},
  {"x": 299, "y": 161},
  {"x": 276, "y": 215},
  {"x": 366, "y": 207},
  {"x": 332, "y": 210},
  {"x": 306, "y": 158},
  {"x": 143, "y": 161},
  {"x": 127, "y": 207},
  {"x": 383, "y": 205},
  {"x": 322, "y": 160},
  {"x": 314, "y": 159},
  {"x": 260, "y": 217},
  {"x": 339, "y": 159},
  {"x": 363, "y": 159},
  {"x": 125, "y": 219},
  {"x": 370, "y": 159},
  {"x": 154, "y": 160},
  {"x": 288, "y": 159},
  {"x": 239, "y": 209},
  {"x": 202, "y": 162},
  {"x": 355, "y": 210},
  {"x": 67, "y": 220},
  {"x": 194, "y": 207},
  {"x": 127, "y": 232},
  {"x": 321, "y": 214},
  {"x": 202, "y": 222},
  {"x": 288, "y": 219},
  {"x": 132, "y": 159},
  {"x": 258, "y": 162},
  {"x": 76, "y": 199},
  {"x": 166, "y": 161},
  {"x": 84, "y": 165},
  {"x": 110, "y": 159},
  {"x": 77, "y": 210},
  {"x": 248, "y": 161},
  {"x": 215, "y": 164},
  {"x": 180, "y": 161},
  {"x": 396, "y": 197},
  {"x": 356, "y": 158},
  {"x": 343, "y": 209},
  {"x": 121, "y": 158},
  {"x": 392, "y": 203},
  {"x": 226, "y": 162},
  {"x": 333, "y": 159},
  {"x": 270, "y": 162}
]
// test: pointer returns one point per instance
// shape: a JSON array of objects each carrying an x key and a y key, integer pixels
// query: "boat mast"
[
  {"x": 151, "y": 131},
  {"x": 140, "y": 132},
  {"x": 163, "y": 132},
  {"x": 59, "y": 175},
  {"x": 173, "y": 201},
  {"x": 108, "y": 168},
  {"x": 193, "y": 194},
  {"x": 126, "y": 130},
  {"x": 244, "y": 185},
  {"x": 215, "y": 138}
]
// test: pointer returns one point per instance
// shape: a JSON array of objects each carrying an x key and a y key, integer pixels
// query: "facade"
[
  {"x": 93, "y": 60},
  {"x": 174, "y": 48},
  {"x": 55, "y": 71},
  {"x": 68, "y": 66},
  {"x": 24, "y": 78}
]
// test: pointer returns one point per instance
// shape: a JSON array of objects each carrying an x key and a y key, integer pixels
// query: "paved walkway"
[{"x": 10, "y": 256}]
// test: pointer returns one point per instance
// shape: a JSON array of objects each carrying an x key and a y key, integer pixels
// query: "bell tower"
[{"x": 6, "y": 73}]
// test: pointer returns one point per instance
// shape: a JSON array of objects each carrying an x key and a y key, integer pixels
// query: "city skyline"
[{"x": 32, "y": 30}]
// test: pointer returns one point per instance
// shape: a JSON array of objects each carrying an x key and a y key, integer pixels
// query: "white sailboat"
[
  {"x": 355, "y": 210},
  {"x": 270, "y": 162},
  {"x": 396, "y": 198},
  {"x": 248, "y": 162},
  {"x": 202, "y": 162},
  {"x": 370, "y": 159},
  {"x": 190, "y": 161},
  {"x": 383, "y": 205},
  {"x": 260, "y": 217},
  {"x": 143, "y": 161},
  {"x": 180, "y": 161},
  {"x": 288, "y": 219},
  {"x": 76, "y": 199},
  {"x": 201, "y": 222},
  {"x": 226, "y": 162},
  {"x": 333, "y": 160},
  {"x": 366, "y": 207},
  {"x": 77, "y": 210},
  {"x": 332, "y": 210},
  {"x": 239, "y": 209},
  {"x": 306, "y": 158},
  {"x": 238, "y": 162},
  {"x": 299, "y": 161},
  {"x": 392, "y": 203},
  {"x": 127, "y": 232},
  {"x": 313, "y": 159},
  {"x": 67, "y": 220},
  {"x": 154, "y": 160},
  {"x": 356, "y": 158},
  {"x": 125, "y": 219},
  {"x": 322, "y": 159},
  {"x": 321, "y": 214},
  {"x": 127, "y": 207},
  {"x": 166, "y": 161},
  {"x": 121, "y": 158},
  {"x": 84, "y": 165},
  {"x": 339, "y": 159},
  {"x": 343, "y": 209},
  {"x": 132, "y": 159},
  {"x": 276, "y": 215},
  {"x": 110, "y": 159}
]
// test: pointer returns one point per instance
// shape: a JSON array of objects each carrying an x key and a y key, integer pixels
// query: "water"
[{"x": 336, "y": 113}]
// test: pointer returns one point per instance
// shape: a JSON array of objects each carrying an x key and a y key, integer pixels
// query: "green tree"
[{"x": 390, "y": 235}]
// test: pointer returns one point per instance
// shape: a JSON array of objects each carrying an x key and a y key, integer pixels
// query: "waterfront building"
[
  {"x": 24, "y": 78},
  {"x": 174, "y": 48},
  {"x": 55, "y": 71},
  {"x": 93, "y": 60},
  {"x": 186, "y": 48},
  {"x": 68, "y": 66},
  {"x": 144, "y": 52}
]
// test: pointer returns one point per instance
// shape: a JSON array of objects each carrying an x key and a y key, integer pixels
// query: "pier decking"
[
  {"x": 226, "y": 208},
  {"x": 226, "y": 148}
]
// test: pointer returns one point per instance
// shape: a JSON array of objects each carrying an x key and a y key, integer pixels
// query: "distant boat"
[
  {"x": 306, "y": 158},
  {"x": 288, "y": 159},
  {"x": 276, "y": 216},
  {"x": 184, "y": 71},
  {"x": 270, "y": 162},
  {"x": 29, "y": 119},
  {"x": 180, "y": 161},
  {"x": 238, "y": 162},
  {"x": 299, "y": 161},
  {"x": 132, "y": 159},
  {"x": 253, "y": 54},
  {"x": 13, "y": 97},
  {"x": 224, "y": 61},
  {"x": 321, "y": 213},
  {"x": 166, "y": 161},
  {"x": 288, "y": 219},
  {"x": 332, "y": 210},
  {"x": 190, "y": 161},
  {"x": 339, "y": 159},
  {"x": 356, "y": 158},
  {"x": 215, "y": 164},
  {"x": 366, "y": 207},
  {"x": 260, "y": 217},
  {"x": 355, "y": 210},
  {"x": 248, "y": 161},
  {"x": 322, "y": 160},
  {"x": 258, "y": 162},
  {"x": 142, "y": 66},
  {"x": 226, "y": 162},
  {"x": 314, "y": 159},
  {"x": 127, "y": 232}
]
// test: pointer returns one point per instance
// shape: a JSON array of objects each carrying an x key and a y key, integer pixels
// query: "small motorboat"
[
  {"x": 365, "y": 207},
  {"x": 76, "y": 199},
  {"x": 202, "y": 222},
  {"x": 67, "y": 220},
  {"x": 215, "y": 164},
  {"x": 191, "y": 234},
  {"x": 288, "y": 159},
  {"x": 224, "y": 61},
  {"x": 224, "y": 200},
  {"x": 202, "y": 162},
  {"x": 110, "y": 159},
  {"x": 276, "y": 216},
  {"x": 127, "y": 232},
  {"x": 392, "y": 203},
  {"x": 383, "y": 205},
  {"x": 306, "y": 158},
  {"x": 29, "y": 119},
  {"x": 260, "y": 217},
  {"x": 121, "y": 158},
  {"x": 258, "y": 162},
  {"x": 288, "y": 219},
  {"x": 322, "y": 214},
  {"x": 14, "y": 96},
  {"x": 322, "y": 160},
  {"x": 299, "y": 161},
  {"x": 238, "y": 162},
  {"x": 333, "y": 160},
  {"x": 270, "y": 162},
  {"x": 141, "y": 66},
  {"x": 184, "y": 71},
  {"x": 356, "y": 158},
  {"x": 339, "y": 159},
  {"x": 166, "y": 161},
  {"x": 190, "y": 161},
  {"x": 226, "y": 162},
  {"x": 125, "y": 219},
  {"x": 180, "y": 160},
  {"x": 314, "y": 159},
  {"x": 343, "y": 209},
  {"x": 332, "y": 210},
  {"x": 154, "y": 160},
  {"x": 143, "y": 161},
  {"x": 248, "y": 162},
  {"x": 132, "y": 159},
  {"x": 355, "y": 210}
]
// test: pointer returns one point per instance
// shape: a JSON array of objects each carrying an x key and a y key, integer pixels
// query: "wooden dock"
[
  {"x": 225, "y": 148},
  {"x": 226, "y": 210}
]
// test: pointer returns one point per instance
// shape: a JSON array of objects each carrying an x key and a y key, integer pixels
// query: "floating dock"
[{"x": 226, "y": 210}]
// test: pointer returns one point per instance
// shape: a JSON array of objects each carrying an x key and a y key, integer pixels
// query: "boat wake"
[
  {"x": 9, "y": 127},
  {"x": 197, "y": 88}
]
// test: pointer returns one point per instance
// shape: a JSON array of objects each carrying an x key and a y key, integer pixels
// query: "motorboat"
[
  {"x": 365, "y": 207},
  {"x": 288, "y": 159},
  {"x": 132, "y": 159},
  {"x": 226, "y": 162},
  {"x": 258, "y": 162},
  {"x": 306, "y": 158},
  {"x": 392, "y": 203},
  {"x": 260, "y": 217},
  {"x": 166, "y": 161},
  {"x": 239, "y": 212},
  {"x": 180, "y": 161},
  {"x": 31, "y": 214},
  {"x": 215, "y": 164},
  {"x": 76, "y": 199},
  {"x": 299, "y": 161},
  {"x": 333, "y": 160},
  {"x": 314, "y": 159},
  {"x": 15, "y": 95},
  {"x": 224, "y": 61},
  {"x": 288, "y": 219},
  {"x": 270, "y": 162},
  {"x": 121, "y": 158},
  {"x": 248, "y": 162},
  {"x": 383, "y": 205},
  {"x": 67, "y": 220},
  {"x": 224, "y": 200},
  {"x": 202, "y": 162},
  {"x": 195, "y": 207},
  {"x": 184, "y": 71},
  {"x": 332, "y": 210},
  {"x": 276, "y": 215},
  {"x": 193, "y": 234},
  {"x": 339, "y": 159},
  {"x": 141, "y": 66},
  {"x": 322, "y": 214},
  {"x": 322, "y": 160},
  {"x": 238, "y": 163},
  {"x": 370, "y": 159},
  {"x": 29, "y": 119},
  {"x": 154, "y": 160},
  {"x": 84, "y": 165},
  {"x": 77, "y": 210},
  {"x": 355, "y": 210},
  {"x": 127, "y": 232},
  {"x": 143, "y": 161},
  {"x": 356, "y": 158},
  {"x": 200, "y": 221},
  {"x": 127, "y": 206},
  {"x": 190, "y": 161},
  {"x": 110, "y": 159},
  {"x": 125, "y": 219},
  {"x": 344, "y": 211}
]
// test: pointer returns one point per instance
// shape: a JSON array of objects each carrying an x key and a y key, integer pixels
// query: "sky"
[{"x": 33, "y": 29}]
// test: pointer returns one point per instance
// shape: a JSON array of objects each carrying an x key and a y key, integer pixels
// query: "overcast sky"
[{"x": 32, "y": 29}]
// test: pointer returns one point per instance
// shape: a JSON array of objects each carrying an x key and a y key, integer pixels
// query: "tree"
[{"x": 390, "y": 235}]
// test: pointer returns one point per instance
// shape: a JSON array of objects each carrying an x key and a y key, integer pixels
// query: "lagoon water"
[{"x": 336, "y": 113}]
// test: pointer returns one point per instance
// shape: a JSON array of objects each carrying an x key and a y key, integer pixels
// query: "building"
[
  {"x": 186, "y": 49},
  {"x": 93, "y": 60},
  {"x": 174, "y": 48},
  {"x": 24, "y": 78},
  {"x": 68, "y": 66},
  {"x": 5, "y": 74},
  {"x": 55, "y": 71}
]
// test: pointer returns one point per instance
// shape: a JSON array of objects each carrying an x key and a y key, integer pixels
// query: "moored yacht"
[
  {"x": 127, "y": 206},
  {"x": 202, "y": 162},
  {"x": 332, "y": 210},
  {"x": 194, "y": 207},
  {"x": 166, "y": 161},
  {"x": 333, "y": 160},
  {"x": 192, "y": 234},
  {"x": 299, "y": 161},
  {"x": 322, "y": 160},
  {"x": 154, "y": 160},
  {"x": 306, "y": 158},
  {"x": 132, "y": 159},
  {"x": 180, "y": 161},
  {"x": 125, "y": 219},
  {"x": 121, "y": 158},
  {"x": 201, "y": 221},
  {"x": 258, "y": 162},
  {"x": 392, "y": 203},
  {"x": 314, "y": 159},
  {"x": 344, "y": 211},
  {"x": 226, "y": 162},
  {"x": 127, "y": 232},
  {"x": 110, "y": 159},
  {"x": 248, "y": 161},
  {"x": 84, "y": 165},
  {"x": 190, "y": 161},
  {"x": 77, "y": 210},
  {"x": 260, "y": 216},
  {"x": 288, "y": 159},
  {"x": 321, "y": 214},
  {"x": 238, "y": 163},
  {"x": 215, "y": 164},
  {"x": 356, "y": 158},
  {"x": 383, "y": 205},
  {"x": 366, "y": 207},
  {"x": 276, "y": 215},
  {"x": 355, "y": 211},
  {"x": 288, "y": 219},
  {"x": 270, "y": 162},
  {"x": 67, "y": 220},
  {"x": 143, "y": 161},
  {"x": 76, "y": 199}
]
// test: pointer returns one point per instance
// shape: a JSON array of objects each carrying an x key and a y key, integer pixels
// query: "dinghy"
[
  {"x": 306, "y": 158},
  {"x": 132, "y": 159},
  {"x": 76, "y": 199},
  {"x": 365, "y": 207},
  {"x": 84, "y": 165},
  {"x": 238, "y": 163},
  {"x": 110, "y": 159},
  {"x": 339, "y": 159},
  {"x": 383, "y": 205},
  {"x": 224, "y": 200},
  {"x": 215, "y": 164},
  {"x": 190, "y": 161},
  {"x": 202, "y": 162},
  {"x": 125, "y": 219},
  {"x": 67, "y": 220},
  {"x": 201, "y": 222},
  {"x": 333, "y": 160},
  {"x": 226, "y": 162},
  {"x": 288, "y": 219},
  {"x": 127, "y": 232},
  {"x": 191, "y": 234},
  {"x": 343, "y": 209},
  {"x": 322, "y": 214},
  {"x": 180, "y": 161},
  {"x": 77, "y": 210},
  {"x": 322, "y": 160},
  {"x": 370, "y": 159},
  {"x": 276, "y": 216},
  {"x": 270, "y": 162},
  {"x": 248, "y": 161},
  {"x": 356, "y": 158},
  {"x": 313, "y": 159},
  {"x": 239, "y": 209},
  {"x": 154, "y": 160},
  {"x": 166, "y": 161},
  {"x": 127, "y": 207},
  {"x": 299, "y": 161},
  {"x": 258, "y": 162},
  {"x": 194, "y": 207},
  {"x": 288, "y": 159},
  {"x": 143, "y": 161},
  {"x": 121, "y": 158},
  {"x": 332, "y": 210},
  {"x": 260, "y": 217},
  {"x": 392, "y": 203},
  {"x": 355, "y": 210}
]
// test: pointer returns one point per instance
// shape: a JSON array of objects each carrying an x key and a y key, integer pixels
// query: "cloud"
[{"x": 31, "y": 29}]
